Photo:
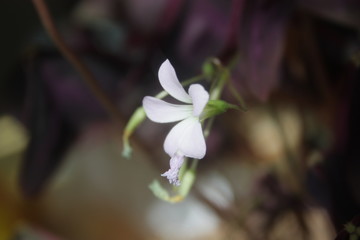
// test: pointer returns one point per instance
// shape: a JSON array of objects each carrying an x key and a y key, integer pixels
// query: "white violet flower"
[{"x": 186, "y": 138}]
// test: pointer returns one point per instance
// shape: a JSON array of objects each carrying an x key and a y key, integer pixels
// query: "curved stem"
[{"x": 76, "y": 62}]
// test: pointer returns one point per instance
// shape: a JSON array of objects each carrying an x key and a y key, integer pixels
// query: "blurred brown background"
[{"x": 286, "y": 168}]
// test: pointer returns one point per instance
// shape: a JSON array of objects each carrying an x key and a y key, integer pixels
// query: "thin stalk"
[
  {"x": 237, "y": 96},
  {"x": 220, "y": 83},
  {"x": 76, "y": 62}
]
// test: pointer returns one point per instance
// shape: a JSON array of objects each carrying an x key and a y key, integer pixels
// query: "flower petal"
[
  {"x": 163, "y": 112},
  {"x": 199, "y": 97},
  {"x": 186, "y": 137},
  {"x": 170, "y": 82}
]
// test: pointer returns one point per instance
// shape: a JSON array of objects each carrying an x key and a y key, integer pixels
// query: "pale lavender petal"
[
  {"x": 186, "y": 137},
  {"x": 163, "y": 112},
  {"x": 173, "y": 173},
  {"x": 200, "y": 98},
  {"x": 170, "y": 82}
]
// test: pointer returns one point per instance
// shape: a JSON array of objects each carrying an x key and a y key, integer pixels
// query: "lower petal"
[{"x": 186, "y": 137}]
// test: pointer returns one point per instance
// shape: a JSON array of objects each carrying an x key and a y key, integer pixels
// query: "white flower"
[{"x": 186, "y": 138}]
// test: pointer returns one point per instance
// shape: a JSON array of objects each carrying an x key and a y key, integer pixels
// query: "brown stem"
[{"x": 83, "y": 70}]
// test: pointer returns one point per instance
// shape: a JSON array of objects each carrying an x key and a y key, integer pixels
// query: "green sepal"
[{"x": 216, "y": 107}]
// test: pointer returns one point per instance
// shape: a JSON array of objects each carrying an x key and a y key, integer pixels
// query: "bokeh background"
[{"x": 287, "y": 168}]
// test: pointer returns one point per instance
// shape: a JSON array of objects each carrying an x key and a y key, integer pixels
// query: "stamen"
[{"x": 173, "y": 173}]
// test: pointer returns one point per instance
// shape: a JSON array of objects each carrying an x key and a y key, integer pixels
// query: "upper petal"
[
  {"x": 162, "y": 112},
  {"x": 199, "y": 97},
  {"x": 186, "y": 137},
  {"x": 170, "y": 82}
]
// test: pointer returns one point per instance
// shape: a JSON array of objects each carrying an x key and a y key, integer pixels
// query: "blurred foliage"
[
  {"x": 286, "y": 168},
  {"x": 13, "y": 141}
]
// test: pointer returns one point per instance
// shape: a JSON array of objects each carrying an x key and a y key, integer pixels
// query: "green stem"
[
  {"x": 194, "y": 164},
  {"x": 220, "y": 83},
  {"x": 215, "y": 93},
  {"x": 208, "y": 127},
  {"x": 238, "y": 97}
]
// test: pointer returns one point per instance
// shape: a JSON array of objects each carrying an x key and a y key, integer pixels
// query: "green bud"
[
  {"x": 210, "y": 67},
  {"x": 215, "y": 107}
]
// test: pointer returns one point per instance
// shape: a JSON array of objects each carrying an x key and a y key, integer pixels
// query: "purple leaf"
[
  {"x": 346, "y": 12},
  {"x": 262, "y": 45},
  {"x": 50, "y": 136},
  {"x": 203, "y": 33}
]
